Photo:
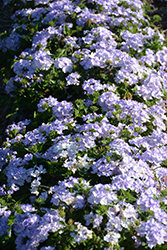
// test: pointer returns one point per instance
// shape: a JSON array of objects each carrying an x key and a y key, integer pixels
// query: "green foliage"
[
  {"x": 156, "y": 18},
  {"x": 129, "y": 196},
  {"x": 25, "y": 98}
]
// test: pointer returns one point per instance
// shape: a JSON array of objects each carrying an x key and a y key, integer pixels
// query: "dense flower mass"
[{"x": 86, "y": 167}]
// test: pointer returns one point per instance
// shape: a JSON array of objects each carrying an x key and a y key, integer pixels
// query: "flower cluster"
[{"x": 86, "y": 168}]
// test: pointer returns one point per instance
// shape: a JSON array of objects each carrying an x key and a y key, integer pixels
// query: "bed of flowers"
[{"x": 87, "y": 166}]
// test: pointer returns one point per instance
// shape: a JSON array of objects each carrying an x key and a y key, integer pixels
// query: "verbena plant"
[{"x": 85, "y": 165}]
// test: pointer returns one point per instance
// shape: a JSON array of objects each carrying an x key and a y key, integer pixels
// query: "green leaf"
[
  {"x": 9, "y": 115},
  {"x": 2, "y": 202},
  {"x": 164, "y": 193},
  {"x": 76, "y": 112},
  {"x": 94, "y": 108},
  {"x": 71, "y": 228},
  {"x": 156, "y": 18},
  {"x": 36, "y": 27},
  {"x": 164, "y": 207},
  {"x": 66, "y": 30},
  {"x": 128, "y": 196},
  {"x": 35, "y": 114},
  {"x": 11, "y": 219}
]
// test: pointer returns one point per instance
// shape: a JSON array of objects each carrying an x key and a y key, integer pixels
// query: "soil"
[{"x": 158, "y": 7}]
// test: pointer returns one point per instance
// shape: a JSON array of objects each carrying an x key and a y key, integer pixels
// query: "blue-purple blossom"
[
  {"x": 112, "y": 237},
  {"x": 102, "y": 194},
  {"x": 154, "y": 232},
  {"x": 93, "y": 218},
  {"x": 60, "y": 110},
  {"x": 10, "y": 43},
  {"x": 19, "y": 127},
  {"x": 135, "y": 41},
  {"x": 92, "y": 85},
  {"x": 47, "y": 248},
  {"x": 86, "y": 171},
  {"x": 42, "y": 60},
  {"x": 41, "y": 2},
  {"x": 4, "y": 214},
  {"x": 72, "y": 79},
  {"x": 42, "y": 37},
  {"x": 72, "y": 42},
  {"x": 27, "y": 208},
  {"x": 27, "y": 223},
  {"x": 81, "y": 233},
  {"x": 63, "y": 196},
  {"x": 63, "y": 63}
]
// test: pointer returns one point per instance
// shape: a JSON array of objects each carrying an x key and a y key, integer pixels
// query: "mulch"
[{"x": 158, "y": 7}]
